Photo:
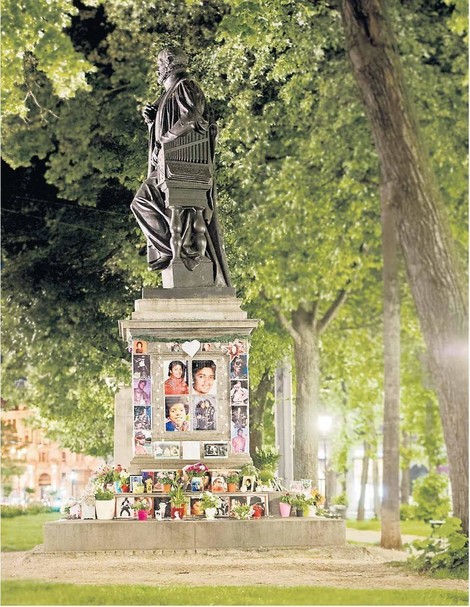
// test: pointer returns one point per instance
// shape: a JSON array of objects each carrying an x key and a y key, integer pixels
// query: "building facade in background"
[{"x": 47, "y": 470}]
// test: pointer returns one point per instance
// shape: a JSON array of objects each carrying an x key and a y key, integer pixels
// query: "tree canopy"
[{"x": 297, "y": 177}]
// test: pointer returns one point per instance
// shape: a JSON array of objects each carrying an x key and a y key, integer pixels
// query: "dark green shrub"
[
  {"x": 407, "y": 512},
  {"x": 11, "y": 511},
  {"x": 431, "y": 498},
  {"x": 444, "y": 552}
]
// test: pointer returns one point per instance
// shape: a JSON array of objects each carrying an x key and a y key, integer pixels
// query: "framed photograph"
[
  {"x": 216, "y": 449},
  {"x": 239, "y": 442},
  {"x": 237, "y": 501},
  {"x": 176, "y": 377},
  {"x": 162, "y": 507},
  {"x": 177, "y": 414},
  {"x": 224, "y": 508},
  {"x": 195, "y": 506},
  {"x": 143, "y": 417},
  {"x": 203, "y": 413},
  {"x": 142, "y": 442},
  {"x": 166, "y": 450},
  {"x": 249, "y": 482},
  {"x": 218, "y": 481},
  {"x": 135, "y": 480},
  {"x": 141, "y": 394},
  {"x": 139, "y": 346},
  {"x": 239, "y": 392},
  {"x": 239, "y": 367},
  {"x": 262, "y": 500},
  {"x": 239, "y": 416},
  {"x": 141, "y": 366},
  {"x": 124, "y": 507},
  {"x": 204, "y": 377},
  {"x": 147, "y": 479}
]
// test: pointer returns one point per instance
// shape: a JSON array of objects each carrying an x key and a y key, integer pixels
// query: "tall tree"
[
  {"x": 432, "y": 267},
  {"x": 390, "y": 537}
]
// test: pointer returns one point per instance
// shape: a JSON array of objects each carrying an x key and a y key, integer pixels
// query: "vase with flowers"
[
  {"x": 209, "y": 504},
  {"x": 194, "y": 474},
  {"x": 141, "y": 507},
  {"x": 165, "y": 479},
  {"x": 177, "y": 501}
]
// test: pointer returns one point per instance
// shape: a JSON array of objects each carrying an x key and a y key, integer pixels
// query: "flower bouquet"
[
  {"x": 242, "y": 511},
  {"x": 209, "y": 500}
]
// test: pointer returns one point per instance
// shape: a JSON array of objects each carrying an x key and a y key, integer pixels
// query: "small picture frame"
[
  {"x": 248, "y": 483},
  {"x": 135, "y": 480},
  {"x": 166, "y": 450},
  {"x": 162, "y": 507},
  {"x": 215, "y": 449},
  {"x": 124, "y": 507},
  {"x": 296, "y": 486}
]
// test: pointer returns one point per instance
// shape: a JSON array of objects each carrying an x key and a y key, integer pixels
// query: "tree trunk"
[
  {"x": 258, "y": 402},
  {"x": 433, "y": 273},
  {"x": 307, "y": 366},
  {"x": 364, "y": 476},
  {"x": 391, "y": 537},
  {"x": 405, "y": 485},
  {"x": 376, "y": 481}
]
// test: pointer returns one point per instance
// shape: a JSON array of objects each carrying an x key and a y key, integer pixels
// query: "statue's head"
[{"x": 169, "y": 60}]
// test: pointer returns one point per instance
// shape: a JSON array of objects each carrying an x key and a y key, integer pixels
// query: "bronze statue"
[{"x": 175, "y": 206}]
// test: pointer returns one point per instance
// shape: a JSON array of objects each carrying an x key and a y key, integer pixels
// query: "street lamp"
[{"x": 324, "y": 425}]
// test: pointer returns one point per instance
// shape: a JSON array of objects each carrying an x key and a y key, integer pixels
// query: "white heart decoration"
[{"x": 191, "y": 347}]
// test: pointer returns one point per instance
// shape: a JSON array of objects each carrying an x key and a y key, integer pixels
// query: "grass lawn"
[
  {"x": 407, "y": 527},
  {"x": 25, "y": 531},
  {"x": 34, "y": 593}
]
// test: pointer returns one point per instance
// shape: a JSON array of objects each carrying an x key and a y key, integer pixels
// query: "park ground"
[{"x": 360, "y": 565}]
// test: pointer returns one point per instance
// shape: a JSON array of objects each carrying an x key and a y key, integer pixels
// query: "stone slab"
[
  {"x": 94, "y": 535},
  {"x": 187, "y": 292}
]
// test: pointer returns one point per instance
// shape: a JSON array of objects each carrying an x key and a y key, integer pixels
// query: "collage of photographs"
[
  {"x": 190, "y": 398},
  {"x": 158, "y": 506}
]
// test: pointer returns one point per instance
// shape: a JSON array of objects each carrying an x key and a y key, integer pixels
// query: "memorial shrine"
[{"x": 182, "y": 427}]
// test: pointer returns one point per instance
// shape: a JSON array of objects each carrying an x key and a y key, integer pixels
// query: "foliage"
[
  {"x": 11, "y": 464},
  {"x": 287, "y": 498},
  {"x": 241, "y": 511},
  {"x": 406, "y": 527},
  {"x": 140, "y": 505},
  {"x": 407, "y": 512},
  {"x": 446, "y": 550},
  {"x": 248, "y": 470},
  {"x": 341, "y": 500},
  {"x": 430, "y": 497},
  {"x": 11, "y": 511},
  {"x": 209, "y": 500},
  {"x": 233, "y": 477},
  {"x": 103, "y": 495},
  {"x": 266, "y": 458},
  {"x": 177, "y": 496},
  {"x": 301, "y": 501},
  {"x": 44, "y": 593},
  {"x": 265, "y": 475},
  {"x": 37, "y": 47}
]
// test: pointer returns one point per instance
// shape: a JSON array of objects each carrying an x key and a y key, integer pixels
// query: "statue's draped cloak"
[{"x": 179, "y": 110}]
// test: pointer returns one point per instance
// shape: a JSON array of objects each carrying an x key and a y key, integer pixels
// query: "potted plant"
[
  {"x": 266, "y": 460},
  {"x": 104, "y": 504},
  {"x": 142, "y": 509},
  {"x": 301, "y": 503},
  {"x": 177, "y": 501},
  {"x": 340, "y": 503},
  {"x": 242, "y": 511},
  {"x": 233, "y": 481},
  {"x": 125, "y": 481},
  {"x": 166, "y": 480},
  {"x": 285, "y": 504},
  {"x": 194, "y": 474},
  {"x": 210, "y": 503}
]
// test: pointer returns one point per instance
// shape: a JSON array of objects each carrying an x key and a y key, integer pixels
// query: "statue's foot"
[
  {"x": 161, "y": 263},
  {"x": 191, "y": 262}
]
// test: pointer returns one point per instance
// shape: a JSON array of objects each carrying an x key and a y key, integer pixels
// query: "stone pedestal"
[{"x": 187, "y": 325}]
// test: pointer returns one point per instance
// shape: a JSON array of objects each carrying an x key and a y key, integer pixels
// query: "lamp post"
[{"x": 324, "y": 425}]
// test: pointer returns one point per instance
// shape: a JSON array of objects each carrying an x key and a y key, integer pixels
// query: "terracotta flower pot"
[
  {"x": 166, "y": 488},
  {"x": 232, "y": 487},
  {"x": 125, "y": 488},
  {"x": 177, "y": 511}
]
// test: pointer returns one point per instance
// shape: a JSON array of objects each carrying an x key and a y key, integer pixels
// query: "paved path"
[{"x": 373, "y": 537}]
